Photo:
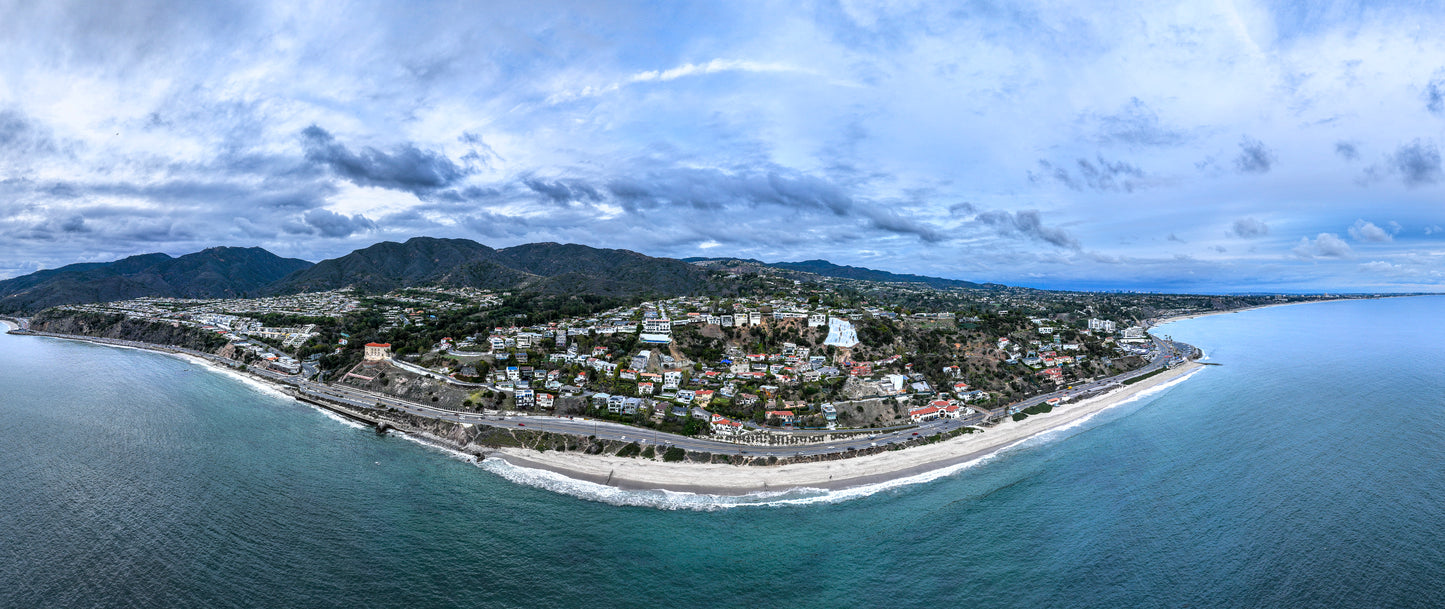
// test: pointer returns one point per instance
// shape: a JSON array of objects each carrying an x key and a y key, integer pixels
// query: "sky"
[{"x": 1197, "y": 146}]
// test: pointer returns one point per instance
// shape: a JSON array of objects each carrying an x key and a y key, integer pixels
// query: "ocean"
[{"x": 1306, "y": 470}]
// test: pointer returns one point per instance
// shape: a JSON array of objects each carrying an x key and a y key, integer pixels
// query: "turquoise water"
[{"x": 1307, "y": 471}]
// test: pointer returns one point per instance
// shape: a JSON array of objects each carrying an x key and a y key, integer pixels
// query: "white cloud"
[
  {"x": 1249, "y": 228},
  {"x": 1367, "y": 231},
  {"x": 712, "y": 67},
  {"x": 1326, "y": 245}
]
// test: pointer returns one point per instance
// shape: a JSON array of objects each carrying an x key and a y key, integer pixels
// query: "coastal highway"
[
  {"x": 1165, "y": 352},
  {"x": 609, "y": 430}
]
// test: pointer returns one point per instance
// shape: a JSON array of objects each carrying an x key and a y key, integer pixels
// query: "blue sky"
[{"x": 1182, "y": 147}]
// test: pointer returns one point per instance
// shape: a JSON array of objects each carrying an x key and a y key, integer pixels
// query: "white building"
[
  {"x": 841, "y": 333},
  {"x": 377, "y": 351}
]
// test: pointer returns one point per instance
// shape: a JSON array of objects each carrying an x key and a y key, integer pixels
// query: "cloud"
[
  {"x": 718, "y": 190},
  {"x": 1326, "y": 245},
  {"x": 331, "y": 224},
  {"x": 1347, "y": 150},
  {"x": 23, "y": 141},
  {"x": 1417, "y": 163},
  {"x": 1135, "y": 125},
  {"x": 712, "y": 67},
  {"x": 1433, "y": 228},
  {"x": 406, "y": 167},
  {"x": 563, "y": 192},
  {"x": 1249, "y": 228},
  {"x": 1254, "y": 157},
  {"x": 1028, "y": 224},
  {"x": 1367, "y": 231},
  {"x": 1380, "y": 267},
  {"x": 715, "y": 66},
  {"x": 1435, "y": 96},
  {"x": 1100, "y": 175}
]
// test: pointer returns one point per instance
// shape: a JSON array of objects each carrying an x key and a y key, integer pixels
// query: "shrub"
[
  {"x": 674, "y": 454},
  {"x": 1019, "y": 416},
  {"x": 631, "y": 450}
]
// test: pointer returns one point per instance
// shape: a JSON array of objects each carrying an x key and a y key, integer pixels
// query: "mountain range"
[
  {"x": 228, "y": 272},
  {"x": 218, "y": 272},
  {"x": 543, "y": 267},
  {"x": 828, "y": 269}
]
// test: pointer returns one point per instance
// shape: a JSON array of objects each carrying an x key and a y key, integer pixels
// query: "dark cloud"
[
  {"x": 21, "y": 137},
  {"x": 1099, "y": 174},
  {"x": 1027, "y": 223},
  {"x": 481, "y": 153},
  {"x": 717, "y": 190},
  {"x": 1435, "y": 96},
  {"x": 563, "y": 192},
  {"x": 406, "y": 167},
  {"x": 1136, "y": 125},
  {"x": 1254, "y": 157},
  {"x": 1175, "y": 238},
  {"x": 1347, "y": 150},
  {"x": 962, "y": 208},
  {"x": 1417, "y": 163},
  {"x": 331, "y": 224},
  {"x": 1249, "y": 228}
]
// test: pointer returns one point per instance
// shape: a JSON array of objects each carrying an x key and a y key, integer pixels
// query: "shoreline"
[
  {"x": 1187, "y": 316},
  {"x": 634, "y": 474},
  {"x": 641, "y": 474}
]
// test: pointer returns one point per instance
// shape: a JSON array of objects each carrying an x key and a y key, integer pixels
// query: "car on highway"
[{"x": 521, "y": 425}]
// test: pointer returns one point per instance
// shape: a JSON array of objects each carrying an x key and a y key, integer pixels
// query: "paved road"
[
  {"x": 1165, "y": 352},
  {"x": 607, "y": 430}
]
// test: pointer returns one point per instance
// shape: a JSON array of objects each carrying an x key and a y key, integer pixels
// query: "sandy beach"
[{"x": 717, "y": 479}]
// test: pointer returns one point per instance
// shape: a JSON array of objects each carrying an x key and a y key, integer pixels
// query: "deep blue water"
[{"x": 1307, "y": 471}]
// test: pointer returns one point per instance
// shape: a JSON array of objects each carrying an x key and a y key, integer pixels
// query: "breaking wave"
[{"x": 679, "y": 500}]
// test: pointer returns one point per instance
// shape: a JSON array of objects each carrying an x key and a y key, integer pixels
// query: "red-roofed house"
[
  {"x": 786, "y": 416},
  {"x": 927, "y": 413},
  {"x": 378, "y": 351}
]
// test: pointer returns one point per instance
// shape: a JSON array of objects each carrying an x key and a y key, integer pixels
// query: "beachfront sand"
[{"x": 633, "y": 473}]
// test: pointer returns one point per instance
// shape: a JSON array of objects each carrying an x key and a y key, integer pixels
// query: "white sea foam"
[
  {"x": 680, "y": 500},
  {"x": 253, "y": 382},
  {"x": 436, "y": 445},
  {"x": 258, "y": 384},
  {"x": 1147, "y": 393},
  {"x": 676, "y": 500},
  {"x": 659, "y": 499},
  {"x": 338, "y": 418}
]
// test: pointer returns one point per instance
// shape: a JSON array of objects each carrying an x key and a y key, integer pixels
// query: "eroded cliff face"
[{"x": 122, "y": 328}]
